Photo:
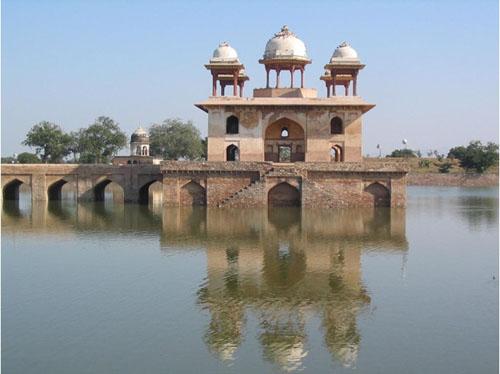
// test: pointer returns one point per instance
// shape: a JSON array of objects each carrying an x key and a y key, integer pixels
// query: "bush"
[
  {"x": 445, "y": 167},
  {"x": 475, "y": 156},
  {"x": 424, "y": 163},
  {"x": 28, "y": 158},
  {"x": 402, "y": 153}
]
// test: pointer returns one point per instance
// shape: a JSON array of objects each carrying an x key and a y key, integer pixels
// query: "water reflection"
[{"x": 283, "y": 267}]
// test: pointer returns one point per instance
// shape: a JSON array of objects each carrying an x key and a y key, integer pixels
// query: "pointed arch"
[
  {"x": 283, "y": 194},
  {"x": 336, "y": 126},
  {"x": 106, "y": 188},
  {"x": 192, "y": 193},
  {"x": 336, "y": 153},
  {"x": 378, "y": 194},
  {"x": 54, "y": 192},
  {"x": 146, "y": 192},
  {"x": 232, "y": 153},
  {"x": 287, "y": 135},
  {"x": 11, "y": 189}
]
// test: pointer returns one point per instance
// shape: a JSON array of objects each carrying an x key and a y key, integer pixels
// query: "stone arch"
[
  {"x": 192, "y": 193},
  {"x": 336, "y": 153},
  {"x": 336, "y": 126},
  {"x": 54, "y": 192},
  {"x": 232, "y": 125},
  {"x": 283, "y": 194},
  {"x": 109, "y": 185},
  {"x": 145, "y": 192},
  {"x": 232, "y": 153},
  {"x": 284, "y": 141},
  {"x": 379, "y": 195},
  {"x": 10, "y": 190}
]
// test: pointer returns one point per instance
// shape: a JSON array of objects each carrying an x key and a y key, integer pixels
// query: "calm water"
[{"x": 130, "y": 289}]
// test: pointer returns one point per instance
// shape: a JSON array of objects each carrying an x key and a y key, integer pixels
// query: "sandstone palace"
[{"x": 283, "y": 146}]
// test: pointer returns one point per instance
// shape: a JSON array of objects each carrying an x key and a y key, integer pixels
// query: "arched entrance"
[
  {"x": 379, "y": 195},
  {"x": 54, "y": 191},
  {"x": 192, "y": 193},
  {"x": 232, "y": 153},
  {"x": 336, "y": 153},
  {"x": 284, "y": 141},
  {"x": 11, "y": 190},
  {"x": 283, "y": 194}
]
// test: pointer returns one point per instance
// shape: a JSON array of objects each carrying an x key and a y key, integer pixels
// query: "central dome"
[
  {"x": 139, "y": 135},
  {"x": 225, "y": 53},
  {"x": 285, "y": 44}
]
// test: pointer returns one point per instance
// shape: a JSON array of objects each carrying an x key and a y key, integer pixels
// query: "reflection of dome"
[
  {"x": 225, "y": 53},
  {"x": 285, "y": 44},
  {"x": 344, "y": 52},
  {"x": 139, "y": 135}
]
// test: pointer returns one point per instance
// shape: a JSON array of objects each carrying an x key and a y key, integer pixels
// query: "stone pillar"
[
  {"x": 235, "y": 83},
  {"x": 355, "y": 85},
  {"x": 334, "y": 82},
  {"x": 277, "y": 78},
  {"x": 214, "y": 84},
  {"x": 346, "y": 88},
  {"x": 171, "y": 191},
  {"x": 267, "y": 77},
  {"x": 302, "y": 77},
  {"x": 291, "y": 76},
  {"x": 222, "y": 88},
  {"x": 38, "y": 187},
  {"x": 241, "y": 88}
]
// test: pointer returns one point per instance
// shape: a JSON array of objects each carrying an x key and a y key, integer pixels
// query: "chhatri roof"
[
  {"x": 224, "y": 53},
  {"x": 345, "y": 53},
  {"x": 285, "y": 45}
]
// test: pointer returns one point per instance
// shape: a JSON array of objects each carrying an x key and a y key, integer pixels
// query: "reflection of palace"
[{"x": 285, "y": 265}]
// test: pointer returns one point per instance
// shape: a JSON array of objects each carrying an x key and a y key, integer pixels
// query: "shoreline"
[{"x": 452, "y": 179}]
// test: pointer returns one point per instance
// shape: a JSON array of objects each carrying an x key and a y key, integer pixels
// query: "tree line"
[
  {"x": 99, "y": 142},
  {"x": 475, "y": 156}
]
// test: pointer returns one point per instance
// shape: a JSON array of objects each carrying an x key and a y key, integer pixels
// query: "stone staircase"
[{"x": 244, "y": 191}]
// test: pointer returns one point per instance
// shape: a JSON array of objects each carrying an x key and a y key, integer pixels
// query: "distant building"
[{"x": 139, "y": 150}]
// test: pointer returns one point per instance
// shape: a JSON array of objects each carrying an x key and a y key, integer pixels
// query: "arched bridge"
[{"x": 89, "y": 181}]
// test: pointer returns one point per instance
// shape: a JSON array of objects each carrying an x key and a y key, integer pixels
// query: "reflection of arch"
[
  {"x": 380, "y": 194},
  {"x": 283, "y": 194},
  {"x": 192, "y": 193},
  {"x": 232, "y": 125},
  {"x": 144, "y": 192},
  {"x": 336, "y": 126},
  {"x": 232, "y": 153},
  {"x": 54, "y": 191},
  {"x": 284, "y": 132},
  {"x": 100, "y": 190},
  {"x": 11, "y": 190},
  {"x": 336, "y": 153}
]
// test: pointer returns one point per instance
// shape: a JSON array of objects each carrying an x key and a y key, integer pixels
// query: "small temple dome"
[
  {"x": 344, "y": 51},
  {"x": 225, "y": 53},
  {"x": 285, "y": 44},
  {"x": 139, "y": 135}
]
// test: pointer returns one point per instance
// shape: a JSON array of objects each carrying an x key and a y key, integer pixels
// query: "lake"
[{"x": 113, "y": 288}]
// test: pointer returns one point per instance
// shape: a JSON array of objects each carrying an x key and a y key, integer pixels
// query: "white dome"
[
  {"x": 140, "y": 131},
  {"x": 285, "y": 44},
  {"x": 344, "y": 51},
  {"x": 225, "y": 53}
]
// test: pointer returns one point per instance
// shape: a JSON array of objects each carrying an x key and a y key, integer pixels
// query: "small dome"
[
  {"x": 225, "y": 53},
  {"x": 285, "y": 44},
  {"x": 139, "y": 135},
  {"x": 345, "y": 52}
]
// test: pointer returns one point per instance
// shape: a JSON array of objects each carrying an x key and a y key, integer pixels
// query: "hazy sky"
[{"x": 431, "y": 66}]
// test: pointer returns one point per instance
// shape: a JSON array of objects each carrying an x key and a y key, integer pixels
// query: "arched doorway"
[
  {"x": 284, "y": 141},
  {"x": 336, "y": 153},
  {"x": 232, "y": 153},
  {"x": 379, "y": 195},
  {"x": 283, "y": 194},
  {"x": 192, "y": 193}
]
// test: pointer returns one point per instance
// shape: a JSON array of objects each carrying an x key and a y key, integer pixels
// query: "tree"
[
  {"x": 174, "y": 139},
  {"x": 8, "y": 160},
  {"x": 476, "y": 156},
  {"x": 204, "y": 147},
  {"x": 49, "y": 141},
  {"x": 98, "y": 142},
  {"x": 402, "y": 153},
  {"x": 28, "y": 158}
]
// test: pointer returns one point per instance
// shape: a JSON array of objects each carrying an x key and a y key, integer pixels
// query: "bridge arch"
[
  {"x": 10, "y": 190},
  {"x": 54, "y": 192},
  {"x": 149, "y": 191},
  {"x": 283, "y": 194},
  {"x": 379, "y": 195},
  {"x": 192, "y": 193},
  {"x": 106, "y": 185}
]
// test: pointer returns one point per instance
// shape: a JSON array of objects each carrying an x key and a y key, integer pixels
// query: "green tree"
[
  {"x": 476, "y": 156},
  {"x": 28, "y": 158},
  {"x": 175, "y": 139},
  {"x": 98, "y": 142},
  {"x": 204, "y": 147},
  {"x": 8, "y": 160},
  {"x": 402, "y": 153},
  {"x": 49, "y": 141}
]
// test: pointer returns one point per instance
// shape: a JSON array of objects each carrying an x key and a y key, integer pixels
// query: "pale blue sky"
[{"x": 431, "y": 66}]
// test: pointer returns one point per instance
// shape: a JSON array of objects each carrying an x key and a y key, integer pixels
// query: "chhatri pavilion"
[{"x": 285, "y": 145}]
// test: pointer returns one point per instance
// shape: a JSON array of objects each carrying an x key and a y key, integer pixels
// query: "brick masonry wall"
[{"x": 457, "y": 180}]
